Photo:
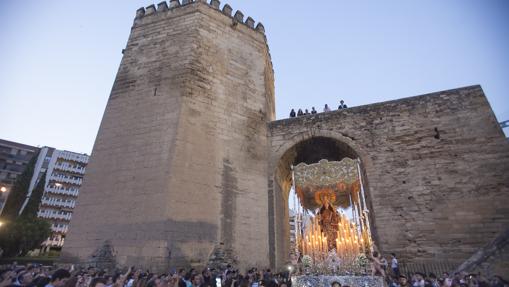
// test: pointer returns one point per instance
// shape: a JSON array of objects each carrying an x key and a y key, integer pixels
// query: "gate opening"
[{"x": 322, "y": 206}]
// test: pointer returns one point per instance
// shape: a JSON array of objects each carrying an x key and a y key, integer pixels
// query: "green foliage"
[
  {"x": 35, "y": 199},
  {"x": 20, "y": 234},
  {"x": 19, "y": 191},
  {"x": 23, "y": 234}
]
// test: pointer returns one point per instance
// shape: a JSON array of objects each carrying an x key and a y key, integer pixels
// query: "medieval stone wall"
[
  {"x": 179, "y": 168},
  {"x": 188, "y": 169},
  {"x": 435, "y": 167}
]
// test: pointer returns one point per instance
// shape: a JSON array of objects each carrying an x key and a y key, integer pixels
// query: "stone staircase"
[{"x": 492, "y": 259}]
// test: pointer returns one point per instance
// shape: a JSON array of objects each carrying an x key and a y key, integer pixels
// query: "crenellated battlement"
[{"x": 227, "y": 10}]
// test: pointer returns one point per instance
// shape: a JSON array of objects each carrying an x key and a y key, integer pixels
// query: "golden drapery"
[{"x": 331, "y": 180}]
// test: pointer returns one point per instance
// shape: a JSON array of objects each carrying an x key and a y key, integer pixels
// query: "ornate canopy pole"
[
  {"x": 365, "y": 211},
  {"x": 297, "y": 218}
]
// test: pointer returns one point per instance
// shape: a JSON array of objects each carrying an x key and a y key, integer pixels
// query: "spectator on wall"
[{"x": 342, "y": 105}]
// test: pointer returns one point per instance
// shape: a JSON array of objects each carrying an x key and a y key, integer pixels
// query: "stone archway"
[{"x": 308, "y": 148}]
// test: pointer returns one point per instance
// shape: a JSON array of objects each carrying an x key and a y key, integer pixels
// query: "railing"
[
  {"x": 70, "y": 168},
  {"x": 54, "y": 243},
  {"x": 66, "y": 216},
  {"x": 74, "y": 157},
  {"x": 59, "y": 229},
  {"x": 66, "y": 179},
  {"x": 59, "y": 190},
  {"x": 53, "y": 202},
  {"x": 436, "y": 267}
]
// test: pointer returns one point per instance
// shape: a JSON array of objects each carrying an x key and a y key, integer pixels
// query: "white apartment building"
[{"x": 64, "y": 175}]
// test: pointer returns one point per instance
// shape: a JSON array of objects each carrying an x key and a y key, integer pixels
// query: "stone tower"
[
  {"x": 189, "y": 167},
  {"x": 178, "y": 173}
]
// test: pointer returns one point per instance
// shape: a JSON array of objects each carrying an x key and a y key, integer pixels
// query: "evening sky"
[{"x": 59, "y": 58}]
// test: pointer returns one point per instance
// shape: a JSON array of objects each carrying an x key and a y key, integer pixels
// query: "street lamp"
[{"x": 3, "y": 198}]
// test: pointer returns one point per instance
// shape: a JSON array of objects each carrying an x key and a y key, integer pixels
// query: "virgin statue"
[{"x": 329, "y": 219}]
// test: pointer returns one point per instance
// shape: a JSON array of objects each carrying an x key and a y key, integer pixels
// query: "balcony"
[
  {"x": 67, "y": 167},
  {"x": 54, "y": 242},
  {"x": 60, "y": 203},
  {"x": 49, "y": 215},
  {"x": 62, "y": 229},
  {"x": 66, "y": 179},
  {"x": 60, "y": 190},
  {"x": 73, "y": 156}
]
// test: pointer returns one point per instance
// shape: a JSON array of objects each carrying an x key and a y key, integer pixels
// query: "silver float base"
[{"x": 326, "y": 281}]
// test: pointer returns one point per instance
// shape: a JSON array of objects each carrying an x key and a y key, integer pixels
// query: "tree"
[
  {"x": 35, "y": 199},
  {"x": 23, "y": 234},
  {"x": 20, "y": 234},
  {"x": 19, "y": 191}
]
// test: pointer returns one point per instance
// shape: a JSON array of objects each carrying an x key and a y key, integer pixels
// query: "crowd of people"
[
  {"x": 34, "y": 275},
  {"x": 463, "y": 279},
  {"x": 395, "y": 278},
  {"x": 313, "y": 111}
]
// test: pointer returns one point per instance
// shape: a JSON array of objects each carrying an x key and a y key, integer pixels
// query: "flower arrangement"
[
  {"x": 307, "y": 261},
  {"x": 361, "y": 261},
  {"x": 333, "y": 262}
]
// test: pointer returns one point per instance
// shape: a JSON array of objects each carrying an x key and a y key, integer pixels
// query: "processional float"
[{"x": 331, "y": 212}]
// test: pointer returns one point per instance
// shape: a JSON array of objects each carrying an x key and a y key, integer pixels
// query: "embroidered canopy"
[{"x": 332, "y": 181}]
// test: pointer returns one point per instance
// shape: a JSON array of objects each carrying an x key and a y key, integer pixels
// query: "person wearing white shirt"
[{"x": 394, "y": 264}]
